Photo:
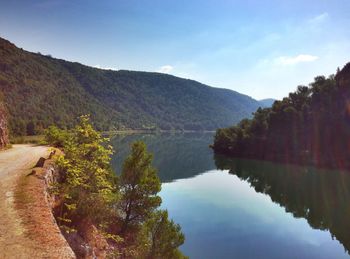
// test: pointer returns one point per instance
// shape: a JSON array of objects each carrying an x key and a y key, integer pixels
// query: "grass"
[
  {"x": 21, "y": 195},
  {"x": 37, "y": 139}
]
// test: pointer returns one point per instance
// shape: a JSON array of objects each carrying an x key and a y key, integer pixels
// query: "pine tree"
[
  {"x": 164, "y": 237},
  {"x": 139, "y": 185}
]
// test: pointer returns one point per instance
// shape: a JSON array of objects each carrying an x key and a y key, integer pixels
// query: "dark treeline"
[
  {"x": 311, "y": 125},
  {"x": 321, "y": 196}
]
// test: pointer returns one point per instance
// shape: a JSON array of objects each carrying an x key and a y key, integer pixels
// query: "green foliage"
[
  {"x": 139, "y": 185},
  {"x": 163, "y": 237},
  {"x": 90, "y": 190},
  {"x": 311, "y": 125},
  {"x": 40, "y": 91},
  {"x": 87, "y": 184},
  {"x": 56, "y": 137}
]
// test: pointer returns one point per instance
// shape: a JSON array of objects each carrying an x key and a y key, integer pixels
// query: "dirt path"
[{"x": 14, "y": 163}]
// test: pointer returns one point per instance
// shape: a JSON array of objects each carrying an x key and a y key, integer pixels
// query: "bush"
[{"x": 55, "y": 136}]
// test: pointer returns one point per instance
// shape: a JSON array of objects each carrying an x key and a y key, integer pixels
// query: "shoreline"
[{"x": 37, "y": 139}]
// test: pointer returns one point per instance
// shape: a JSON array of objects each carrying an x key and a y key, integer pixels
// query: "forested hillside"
[
  {"x": 311, "y": 125},
  {"x": 40, "y": 90}
]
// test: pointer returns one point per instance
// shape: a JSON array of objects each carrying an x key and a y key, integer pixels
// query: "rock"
[
  {"x": 95, "y": 241},
  {"x": 4, "y": 138},
  {"x": 52, "y": 153},
  {"x": 77, "y": 243},
  {"x": 40, "y": 162},
  {"x": 33, "y": 172}
]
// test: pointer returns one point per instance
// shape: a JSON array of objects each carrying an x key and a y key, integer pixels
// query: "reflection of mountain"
[
  {"x": 175, "y": 155},
  {"x": 322, "y": 197}
]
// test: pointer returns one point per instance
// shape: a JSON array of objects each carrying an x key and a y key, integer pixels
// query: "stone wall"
[
  {"x": 42, "y": 179},
  {"x": 87, "y": 242}
]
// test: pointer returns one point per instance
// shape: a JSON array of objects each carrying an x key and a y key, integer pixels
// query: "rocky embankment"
[
  {"x": 4, "y": 139},
  {"x": 86, "y": 242}
]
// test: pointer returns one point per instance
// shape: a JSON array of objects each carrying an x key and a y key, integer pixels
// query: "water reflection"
[
  {"x": 176, "y": 156},
  {"x": 322, "y": 197},
  {"x": 231, "y": 215}
]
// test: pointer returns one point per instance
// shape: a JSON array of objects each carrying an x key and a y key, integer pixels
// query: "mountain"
[
  {"x": 267, "y": 102},
  {"x": 40, "y": 90}
]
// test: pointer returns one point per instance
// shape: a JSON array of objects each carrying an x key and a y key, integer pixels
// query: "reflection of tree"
[
  {"x": 322, "y": 197},
  {"x": 176, "y": 156}
]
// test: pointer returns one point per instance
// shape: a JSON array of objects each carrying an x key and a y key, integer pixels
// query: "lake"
[{"x": 237, "y": 208}]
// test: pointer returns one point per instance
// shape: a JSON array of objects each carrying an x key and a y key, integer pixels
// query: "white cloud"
[
  {"x": 165, "y": 69},
  {"x": 319, "y": 19},
  {"x": 105, "y": 68},
  {"x": 290, "y": 60}
]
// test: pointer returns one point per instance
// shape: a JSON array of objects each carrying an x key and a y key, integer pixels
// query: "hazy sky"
[{"x": 260, "y": 48}]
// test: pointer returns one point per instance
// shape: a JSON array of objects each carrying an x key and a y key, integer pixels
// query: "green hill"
[{"x": 40, "y": 90}]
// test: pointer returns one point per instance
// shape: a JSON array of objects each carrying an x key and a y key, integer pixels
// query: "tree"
[
  {"x": 31, "y": 128},
  {"x": 163, "y": 237},
  {"x": 139, "y": 185},
  {"x": 297, "y": 129},
  {"x": 55, "y": 136},
  {"x": 89, "y": 192},
  {"x": 87, "y": 184}
]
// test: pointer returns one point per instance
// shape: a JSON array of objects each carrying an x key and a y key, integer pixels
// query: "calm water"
[{"x": 235, "y": 208}]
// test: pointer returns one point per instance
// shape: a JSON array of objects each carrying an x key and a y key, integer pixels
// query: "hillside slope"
[{"x": 40, "y": 90}]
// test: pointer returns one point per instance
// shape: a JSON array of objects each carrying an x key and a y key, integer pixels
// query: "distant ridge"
[
  {"x": 267, "y": 102},
  {"x": 40, "y": 90}
]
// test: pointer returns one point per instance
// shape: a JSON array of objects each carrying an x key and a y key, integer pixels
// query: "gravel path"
[{"x": 15, "y": 162}]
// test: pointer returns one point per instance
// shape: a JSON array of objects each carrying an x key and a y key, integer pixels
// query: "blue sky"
[{"x": 260, "y": 48}]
